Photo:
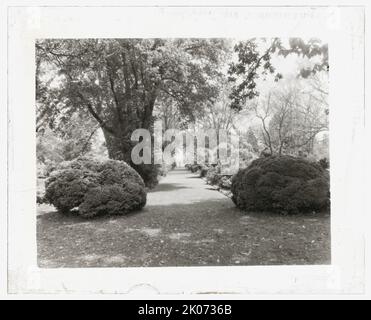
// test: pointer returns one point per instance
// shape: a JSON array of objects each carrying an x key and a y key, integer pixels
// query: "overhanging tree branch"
[{"x": 88, "y": 140}]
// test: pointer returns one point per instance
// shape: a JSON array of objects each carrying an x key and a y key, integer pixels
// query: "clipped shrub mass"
[
  {"x": 95, "y": 188},
  {"x": 66, "y": 188},
  {"x": 213, "y": 176},
  {"x": 225, "y": 183},
  {"x": 203, "y": 171},
  {"x": 324, "y": 163},
  {"x": 112, "y": 200},
  {"x": 195, "y": 168},
  {"x": 282, "y": 184}
]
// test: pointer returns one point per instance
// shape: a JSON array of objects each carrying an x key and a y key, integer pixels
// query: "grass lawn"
[{"x": 184, "y": 224}]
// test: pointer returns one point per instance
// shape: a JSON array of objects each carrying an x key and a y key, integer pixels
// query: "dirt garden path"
[
  {"x": 185, "y": 223},
  {"x": 181, "y": 188}
]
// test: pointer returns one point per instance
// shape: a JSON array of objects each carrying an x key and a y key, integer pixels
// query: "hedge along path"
[{"x": 185, "y": 223}]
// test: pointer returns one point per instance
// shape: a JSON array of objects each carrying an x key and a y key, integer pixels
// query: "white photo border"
[{"x": 343, "y": 27}]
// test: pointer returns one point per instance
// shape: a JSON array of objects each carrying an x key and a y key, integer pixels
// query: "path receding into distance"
[
  {"x": 185, "y": 223},
  {"x": 181, "y": 188}
]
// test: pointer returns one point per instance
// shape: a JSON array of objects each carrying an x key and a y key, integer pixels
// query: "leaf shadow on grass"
[
  {"x": 219, "y": 235},
  {"x": 165, "y": 187}
]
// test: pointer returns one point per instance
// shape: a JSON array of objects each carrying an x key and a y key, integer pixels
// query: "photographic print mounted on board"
[
  {"x": 182, "y": 150},
  {"x": 160, "y": 152}
]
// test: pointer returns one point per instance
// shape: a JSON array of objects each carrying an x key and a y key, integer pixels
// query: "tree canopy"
[
  {"x": 119, "y": 85},
  {"x": 118, "y": 81},
  {"x": 254, "y": 62}
]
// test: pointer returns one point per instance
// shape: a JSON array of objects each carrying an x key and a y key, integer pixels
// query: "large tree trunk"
[
  {"x": 130, "y": 110},
  {"x": 120, "y": 147}
]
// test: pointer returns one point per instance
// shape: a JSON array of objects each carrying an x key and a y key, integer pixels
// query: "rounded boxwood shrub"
[
  {"x": 282, "y": 184},
  {"x": 225, "y": 183},
  {"x": 213, "y": 175},
  {"x": 73, "y": 184},
  {"x": 66, "y": 188},
  {"x": 113, "y": 200},
  {"x": 117, "y": 172},
  {"x": 78, "y": 164},
  {"x": 324, "y": 163},
  {"x": 203, "y": 171},
  {"x": 195, "y": 168}
]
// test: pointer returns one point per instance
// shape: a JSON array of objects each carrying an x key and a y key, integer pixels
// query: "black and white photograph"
[
  {"x": 174, "y": 150},
  {"x": 101, "y": 205}
]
